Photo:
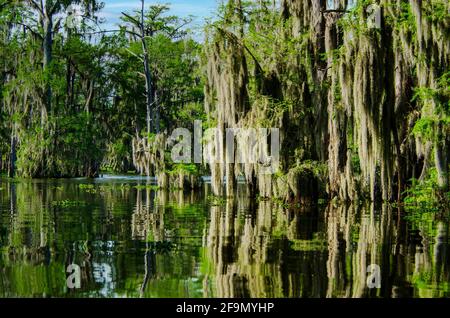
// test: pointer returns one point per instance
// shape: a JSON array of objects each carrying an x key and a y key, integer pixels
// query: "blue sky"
[{"x": 201, "y": 9}]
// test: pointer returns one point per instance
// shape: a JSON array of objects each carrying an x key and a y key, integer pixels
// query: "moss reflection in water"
[{"x": 132, "y": 240}]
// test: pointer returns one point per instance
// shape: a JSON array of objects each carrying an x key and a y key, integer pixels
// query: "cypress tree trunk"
[
  {"x": 47, "y": 59},
  {"x": 147, "y": 73},
  {"x": 12, "y": 156},
  {"x": 157, "y": 113},
  {"x": 441, "y": 162}
]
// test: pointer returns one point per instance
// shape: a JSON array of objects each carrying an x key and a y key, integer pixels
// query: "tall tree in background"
[
  {"x": 145, "y": 25},
  {"x": 47, "y": 25},
  {"x": 34, "y": 78}
]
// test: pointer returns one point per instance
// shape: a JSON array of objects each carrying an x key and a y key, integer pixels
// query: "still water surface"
[{"x": 132, "y": 241}]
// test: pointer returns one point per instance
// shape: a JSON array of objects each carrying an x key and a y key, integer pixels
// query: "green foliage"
[
  {"x": 405, "y": 18},
  {"x": 319, "y": 169},
  {"x": 424, "y": 201},
  {"x": 97, "y": 88},
  {"x": 437, "y": 11},
  {"x": 436, "y": 104},
  {"x": 421, "y": 196},
  {"x": 189, "y": 169},
  {"x": 175, "y": 72},
  {"x": 424, "y": 127},
  {"x": 357, "y": 17},
  {"x": 67, "y": 149},
  {"x": 118, "y": 156}
]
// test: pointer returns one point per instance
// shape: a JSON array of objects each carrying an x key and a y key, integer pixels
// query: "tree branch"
[
  {"x": 136, "y": 22},
  {"x": 233, "y": 37},
  {"x": 30, "y": 29},
  {"x": 135, "y": 55},
  {"x": 175, "y": 31},
  {"x": 111, "y": 31},
  {"x": 53, "y": 9},
  {"x": 35, "y": 5}
]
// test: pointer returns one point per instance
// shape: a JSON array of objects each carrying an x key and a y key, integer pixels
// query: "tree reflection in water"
[{"x": 133, "y": 241}]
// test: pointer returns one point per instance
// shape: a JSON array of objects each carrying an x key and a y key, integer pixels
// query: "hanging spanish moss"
[{"x": 358, "y": 89}]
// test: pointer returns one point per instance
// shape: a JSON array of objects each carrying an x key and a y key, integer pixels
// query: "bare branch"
[
  {"x": 53, "y": 9},
  {"x": 57, "y": 25},
  {"x": 111, "y": 31},
  {"x": 34, "y": 32},
  {"x": 35, "y": 5},
  {"x": 132, "y": 19},
  {"x": 175, "y": 31}
]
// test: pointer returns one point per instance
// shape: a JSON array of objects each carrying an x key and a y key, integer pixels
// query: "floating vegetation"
[{"x": 89, "y": 188}]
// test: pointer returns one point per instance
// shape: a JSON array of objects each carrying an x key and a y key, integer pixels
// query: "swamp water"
[{"x": 130, "y": 240}]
